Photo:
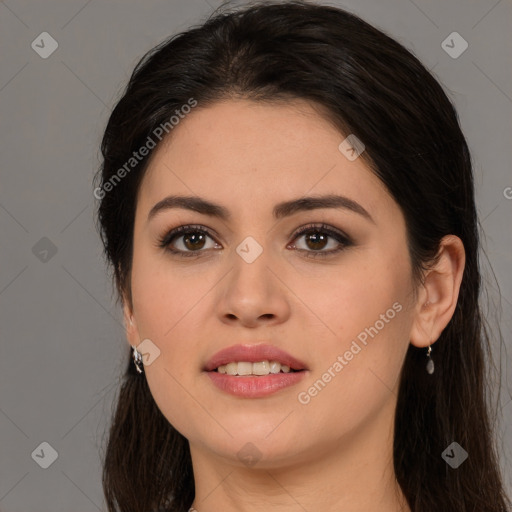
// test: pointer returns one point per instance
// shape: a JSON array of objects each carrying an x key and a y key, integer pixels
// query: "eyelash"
[{"x": 164, "y": 242}]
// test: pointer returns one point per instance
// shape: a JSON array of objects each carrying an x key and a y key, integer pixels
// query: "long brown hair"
[{"x": 368, "y": 85}]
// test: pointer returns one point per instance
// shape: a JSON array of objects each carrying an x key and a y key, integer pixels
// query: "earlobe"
[
  {"x": 130, "y": 326},
  {"x": 441, "y": 290},
  {"x": 128, "y": 317}
]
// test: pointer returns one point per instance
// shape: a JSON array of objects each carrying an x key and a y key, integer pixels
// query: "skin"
[{"x": 335, "y": 452}]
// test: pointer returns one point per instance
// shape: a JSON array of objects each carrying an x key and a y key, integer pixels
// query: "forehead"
[{"x": 243, "y": 152}]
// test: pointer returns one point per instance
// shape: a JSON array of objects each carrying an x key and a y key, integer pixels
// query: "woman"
[{"x": 287, "y": 203}]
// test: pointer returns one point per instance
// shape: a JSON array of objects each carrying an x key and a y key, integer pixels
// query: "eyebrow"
[{"x": 281, "y": 210}]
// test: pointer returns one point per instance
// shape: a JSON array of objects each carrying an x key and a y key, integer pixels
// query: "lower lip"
[{"x": 255, "y": 387}]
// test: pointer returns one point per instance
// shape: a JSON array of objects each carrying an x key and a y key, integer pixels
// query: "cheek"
[
  {"x": 367, "y": 310},
  {"x": 165, "y": 295},
  {"x": 167, "y": 306},
  {"x": 353, "y": 299},
  {"x": 358, "y": 373}
]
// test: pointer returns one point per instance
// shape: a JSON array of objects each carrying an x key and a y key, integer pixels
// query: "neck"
[{"x": 356, "y": 475}]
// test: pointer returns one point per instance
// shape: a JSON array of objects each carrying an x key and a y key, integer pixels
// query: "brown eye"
[
  {"x": 317, "y": 238},
  {"x": 187, "y": 241},
  {"x": 194, "y": 240}
]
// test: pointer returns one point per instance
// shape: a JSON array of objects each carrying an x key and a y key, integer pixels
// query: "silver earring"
[
  {"x": 430, "y": 363},
  {"x": 137, "y": 359}
]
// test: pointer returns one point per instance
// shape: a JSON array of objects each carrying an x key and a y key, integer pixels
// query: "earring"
[
  {"x": 137, "y": 359},
  {"x": 430, "y": 363}
]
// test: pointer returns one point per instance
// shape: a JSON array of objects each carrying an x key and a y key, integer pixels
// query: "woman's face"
[{"x": 249, "y": 279}]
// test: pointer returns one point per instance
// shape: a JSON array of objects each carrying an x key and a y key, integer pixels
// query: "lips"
[{"x": 253, "y": 354}]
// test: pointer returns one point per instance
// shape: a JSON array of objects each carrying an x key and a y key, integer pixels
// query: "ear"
[
  {"x": 132, "y": 332},
  {"x": 438, "y": 296}
]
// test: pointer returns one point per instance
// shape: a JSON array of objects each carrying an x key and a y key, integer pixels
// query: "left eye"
[{"x": 317, "y": 238}]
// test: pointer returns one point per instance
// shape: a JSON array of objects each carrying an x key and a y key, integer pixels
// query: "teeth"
[
  {"x": 262, "y": 368},
  {"x": 244, "y": 368},
  {"x": 231, "y": 367},
  {"x": 275, "y": 367},
  {"x": 259, "y": 368}
]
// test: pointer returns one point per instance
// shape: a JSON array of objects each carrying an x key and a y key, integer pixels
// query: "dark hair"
[{"x": 369, "y": 85}]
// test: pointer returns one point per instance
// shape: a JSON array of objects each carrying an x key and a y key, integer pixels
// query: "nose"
[{"x": 252, "y": 294}]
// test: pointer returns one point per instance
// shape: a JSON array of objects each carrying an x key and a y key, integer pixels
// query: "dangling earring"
[
  {"x": 137, "y": 359},
  {"x": 430, "y": 363}
]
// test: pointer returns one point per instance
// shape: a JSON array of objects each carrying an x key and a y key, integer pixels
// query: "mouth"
[
  {"x": 262, "y": 359},
  {"x": 257, "y": 369},
  {"x": 254, "y": 371}
]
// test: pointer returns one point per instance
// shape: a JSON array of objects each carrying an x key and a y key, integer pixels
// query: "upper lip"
[{"x": 253, "y": 354}]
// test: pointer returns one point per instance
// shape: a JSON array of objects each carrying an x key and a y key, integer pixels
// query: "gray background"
[{"x": 62, "y": 340}]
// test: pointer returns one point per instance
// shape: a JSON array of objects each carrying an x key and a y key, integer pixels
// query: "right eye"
[{"x": 191, "y": 238}]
